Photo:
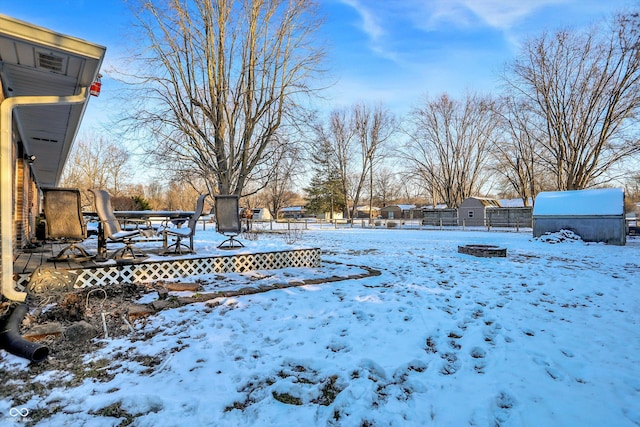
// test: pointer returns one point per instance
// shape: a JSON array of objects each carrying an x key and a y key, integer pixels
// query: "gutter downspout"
[
  {"x": 6, "y": 178},
  {"x": 14, "y": 343}
]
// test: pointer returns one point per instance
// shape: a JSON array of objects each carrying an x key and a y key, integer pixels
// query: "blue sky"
[{"x": 390, "y": 51}]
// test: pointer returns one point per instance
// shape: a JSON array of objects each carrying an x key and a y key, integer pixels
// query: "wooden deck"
[
  {"x": 52, "y": 275},
  {"x": 26, "y": 261}
]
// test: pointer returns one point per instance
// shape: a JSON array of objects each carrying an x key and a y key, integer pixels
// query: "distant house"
[
  {"x": 261, "y": 214},
  {"x": 472, "y": 210},
  {"x": 363, "y": 212},
  {"x": 329, "y": 215},
  {"x": 595, "y": 215},
  {"x": 397, "y": 212},
  {"x": 514, "y": 203},
  {"x": 292, "y": 212}
]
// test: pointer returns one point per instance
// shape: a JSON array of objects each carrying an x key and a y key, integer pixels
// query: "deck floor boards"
[{"x": 28, "y": 260}]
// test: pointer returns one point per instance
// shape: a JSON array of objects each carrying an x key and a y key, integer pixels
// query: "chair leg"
[
  {"x": 176, "y": 248},
  {"x": 130, "y": 249},
  {"x": 68, "y": 254},
  {"x": 231, "y": 243}
]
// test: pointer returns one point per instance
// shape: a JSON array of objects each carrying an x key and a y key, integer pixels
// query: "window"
[{"x": 470, "y": 214}]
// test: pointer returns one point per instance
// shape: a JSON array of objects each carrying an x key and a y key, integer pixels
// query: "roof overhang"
[{"x": 37, "y": 62}]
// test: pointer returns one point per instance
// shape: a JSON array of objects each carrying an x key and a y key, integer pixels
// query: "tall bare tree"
[
  {"x": 516, "y": 149},
  {"x": 96, "y": 162},
  {"x": 584, "y": 89},
  {"x": 286, "y": 168},
  {"x": 449, "y": 145},
  {"x": 388, "y": 188},
  {"x": 374, "y": 127},
  {"x": 219, "y": 79}
]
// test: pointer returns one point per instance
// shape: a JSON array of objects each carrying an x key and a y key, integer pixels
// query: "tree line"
[{"x": 224, "y": 90}]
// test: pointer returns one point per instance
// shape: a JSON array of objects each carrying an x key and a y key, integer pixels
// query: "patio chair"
[
  {"x": 183, "y": 232},
  {"x": 63, "y": 213},
  {"x": 228, "y": 220},
  {"x": 111, "y": 228}
]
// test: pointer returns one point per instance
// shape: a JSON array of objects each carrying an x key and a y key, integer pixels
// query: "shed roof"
[
  {"x": 292, "y": 209},
  {"x": 401, "y": 207},
  {"x": 602, "y": 201},
  {"x": 484, "y": 201}
]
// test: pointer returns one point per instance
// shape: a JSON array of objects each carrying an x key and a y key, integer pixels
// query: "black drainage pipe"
[{"x": 12, "y": 341}]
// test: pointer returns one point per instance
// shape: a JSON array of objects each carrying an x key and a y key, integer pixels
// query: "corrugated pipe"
[{"x": 12, "y": 341}]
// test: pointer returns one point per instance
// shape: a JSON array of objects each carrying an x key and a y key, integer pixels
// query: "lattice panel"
[
  {"x": 97, "y": 276},
  {"x": 180, "y": 268}
]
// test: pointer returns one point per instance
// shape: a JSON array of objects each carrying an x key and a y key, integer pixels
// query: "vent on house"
[
  {"x": 51, "y": 61},
  {"x": 35, "y": 138}
]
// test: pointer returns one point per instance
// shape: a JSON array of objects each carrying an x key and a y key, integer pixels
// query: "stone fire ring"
[{"x": 483, "y": 250}]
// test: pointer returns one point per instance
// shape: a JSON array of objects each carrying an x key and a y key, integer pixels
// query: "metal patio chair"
[
  {"x": 183, "y": 232},
  {"x": 111, "y": 228},
  {"x": 228, "y": 223},
  {"x": 63, "y": 213}
]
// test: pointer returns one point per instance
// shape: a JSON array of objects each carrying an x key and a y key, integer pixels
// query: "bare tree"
[
  {"x": 220, "y": 79},
  {"x": 96, "y": 162},
  {"x": 449, "y": 145},
  {"x": 584, "y": 91},
  {"x": 387, "y": 187},
  {"x": 286, "y": 168},
  {"x": 373, "y": 128},
  {"x": 517, "y": 149}
]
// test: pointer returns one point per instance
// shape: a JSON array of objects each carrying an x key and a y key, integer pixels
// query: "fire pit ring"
[{"x": 486, "y": 251}]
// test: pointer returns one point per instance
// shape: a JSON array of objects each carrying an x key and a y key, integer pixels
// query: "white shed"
[
  {"x": 261, "y": 214},
  {"x": 595, "y": 215}
]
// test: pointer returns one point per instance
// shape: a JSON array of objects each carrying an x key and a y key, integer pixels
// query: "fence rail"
[{"x": 403, "y": 224}]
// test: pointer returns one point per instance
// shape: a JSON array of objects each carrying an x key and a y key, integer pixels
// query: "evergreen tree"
[{"x": 324, "y": 193}]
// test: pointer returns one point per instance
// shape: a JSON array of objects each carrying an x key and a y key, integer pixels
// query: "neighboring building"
[
  {"x": 397, "y": 212},
  {"x": 45, "y": 85},
  {"x": 330, "y": 216},
  {"x": 261, "y": 214},
  {"x": 292, "y": 212},
  {"x": 594, "y": 215},
  {"x": 363, "y": 212},
  {"x": 472, "y": 210},
  {"x": 515, "y": 203}
]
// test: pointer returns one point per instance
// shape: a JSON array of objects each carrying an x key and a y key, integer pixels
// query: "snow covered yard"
[{"x": 548, "y": 336}]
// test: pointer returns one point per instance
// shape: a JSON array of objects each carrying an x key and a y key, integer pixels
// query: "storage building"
[
  {"x": 472, "y": 210},
  {"x": 594, "y": 215}
]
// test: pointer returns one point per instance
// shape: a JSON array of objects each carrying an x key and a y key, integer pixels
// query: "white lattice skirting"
[{"x": 153, "y": 270}]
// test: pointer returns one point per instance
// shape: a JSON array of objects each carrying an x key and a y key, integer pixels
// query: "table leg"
[{"x": 101, "y": 256}]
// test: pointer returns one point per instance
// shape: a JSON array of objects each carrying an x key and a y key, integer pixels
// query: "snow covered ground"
[{"x": 548, "y": 336}]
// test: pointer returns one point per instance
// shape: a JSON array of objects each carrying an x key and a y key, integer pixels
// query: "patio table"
[{"x": 178, "y": 217}]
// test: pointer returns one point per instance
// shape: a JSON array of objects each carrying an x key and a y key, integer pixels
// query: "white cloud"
[
  {"x": 502, "y": 14},
  {"x": 370, "y": 24}
]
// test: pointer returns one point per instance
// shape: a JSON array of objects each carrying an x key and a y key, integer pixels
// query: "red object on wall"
[{"x": 95, "y": 87}]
